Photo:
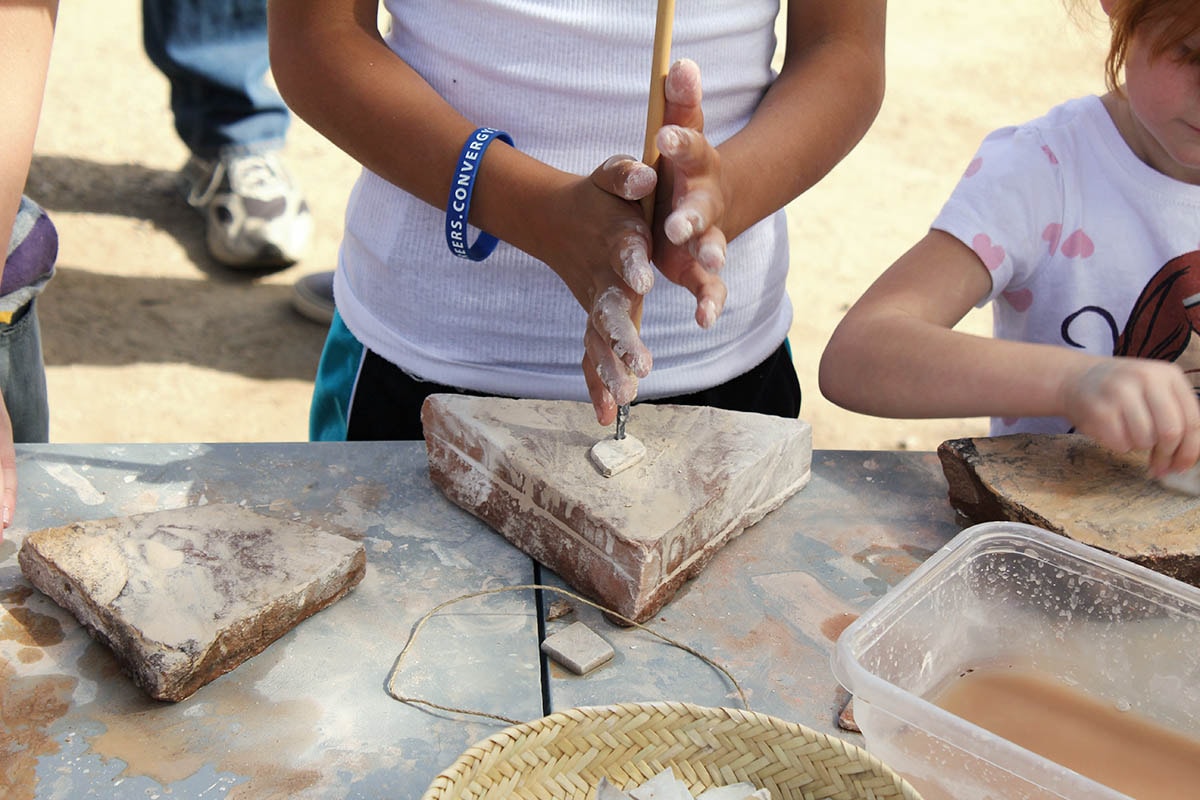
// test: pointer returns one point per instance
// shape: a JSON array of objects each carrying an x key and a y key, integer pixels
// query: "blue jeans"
[
  {"x": 214, "y": 53},
  {"x": 23, "y": 377}
]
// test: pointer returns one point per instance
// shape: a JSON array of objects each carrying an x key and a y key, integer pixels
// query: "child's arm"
[
  {"x": 828, "y": 92},
  {"x": 25, "y": 40},
  {"x": 336, "y": 72},
  {"x": 26, "y": 34},
  {"x": 895, "y": 355}
]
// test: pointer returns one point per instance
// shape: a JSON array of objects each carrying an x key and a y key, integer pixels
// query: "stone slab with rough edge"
[
  {"x": 631, "y": 540},
  {"x": 1068, "y": 484},
  {"x": 185, "y": 595}
]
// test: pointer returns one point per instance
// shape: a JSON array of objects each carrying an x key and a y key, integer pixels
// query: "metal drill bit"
[{"x": 622, "y": 418}]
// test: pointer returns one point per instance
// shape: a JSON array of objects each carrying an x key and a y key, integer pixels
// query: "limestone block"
[
  {"x": 185, "y": 595},
  {"x": 631, "y": 540}
]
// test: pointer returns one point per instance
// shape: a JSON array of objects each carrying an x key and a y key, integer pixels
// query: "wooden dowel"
[{"x": 656, "y": 106}]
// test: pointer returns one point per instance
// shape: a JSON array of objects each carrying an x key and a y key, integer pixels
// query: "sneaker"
[
  {"x": 312, "y": 297},
  {"x": 253, "y": 211}
]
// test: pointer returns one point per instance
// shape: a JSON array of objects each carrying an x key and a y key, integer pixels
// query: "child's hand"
[
  {"x": 691, "y": 203},
  {"x": 1138, "y": 404},
  {"x": 602, "y": 253},
  {"x": 8, "y": 470}
]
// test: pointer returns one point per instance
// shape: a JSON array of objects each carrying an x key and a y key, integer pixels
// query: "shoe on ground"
[
  {"x": 312, "y": 297},
  {"x": 254, "y": 214}
]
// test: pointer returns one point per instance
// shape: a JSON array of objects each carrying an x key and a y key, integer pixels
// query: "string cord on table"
[{"x": 395, "y": 673}]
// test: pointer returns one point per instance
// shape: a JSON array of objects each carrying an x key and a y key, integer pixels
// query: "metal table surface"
[{"x": 310, "y": 716}]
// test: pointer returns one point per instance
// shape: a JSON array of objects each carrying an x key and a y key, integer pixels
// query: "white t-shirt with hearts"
[{"x": 1087, "y": 245}]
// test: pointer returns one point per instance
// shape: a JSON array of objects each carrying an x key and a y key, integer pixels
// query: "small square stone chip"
[{"x": 578, "y": 648}]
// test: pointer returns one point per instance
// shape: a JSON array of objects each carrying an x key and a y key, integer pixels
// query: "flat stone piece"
[
  {"x": 578, "y": 648},
  {"x": 612, "y": 456},
  {"x": 1068, "y": 484},
  {"x": 1186, "y": 482},
  {"x": 630, "y": 541},
  {"x": 185, "y": 595}
]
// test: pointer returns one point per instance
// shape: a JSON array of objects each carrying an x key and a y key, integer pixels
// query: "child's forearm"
[
  {"x": 828, "y": 93},
  {"x": 906, "y": 368},
  {"x": 896, "y": 353},
  {"x": 920, "y": 370},
  {"x": 337, "y": 73},
  {"x": 26, "y": 32}
]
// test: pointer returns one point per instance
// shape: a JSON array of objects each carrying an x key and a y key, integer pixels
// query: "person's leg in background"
[
  {"x": 23, "y": 375},
  {"x": 29, "y": 265},
  {"x": 214, "y": 54}
]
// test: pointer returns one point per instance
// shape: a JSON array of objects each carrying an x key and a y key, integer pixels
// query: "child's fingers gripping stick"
[
  {"x": 630, "y": 179},
  {"x": 612, "y": 319},
  {"x": 618, "y": 381},
  {"x": 633, "y": 257}
]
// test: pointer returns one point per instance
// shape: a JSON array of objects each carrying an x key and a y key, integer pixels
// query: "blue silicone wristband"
[{"x": 458, "y": 206}]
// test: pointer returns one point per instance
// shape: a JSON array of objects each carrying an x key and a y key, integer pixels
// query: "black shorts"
[{"x": 387, "y": 400}]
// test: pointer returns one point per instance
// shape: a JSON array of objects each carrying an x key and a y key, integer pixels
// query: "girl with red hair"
[{"x": 1081, "y": 229}]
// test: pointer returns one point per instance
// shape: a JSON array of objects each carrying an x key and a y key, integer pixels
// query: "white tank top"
[{"x": 568, "y": 79}]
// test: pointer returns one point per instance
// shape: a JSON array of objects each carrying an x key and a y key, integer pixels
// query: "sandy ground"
[{"x": 148, "y": 340}]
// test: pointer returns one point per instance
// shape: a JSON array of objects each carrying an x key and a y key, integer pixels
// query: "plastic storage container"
[{"x": 1004, "y": 595}]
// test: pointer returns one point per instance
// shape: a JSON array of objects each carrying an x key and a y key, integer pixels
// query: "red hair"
[{"x": 1169, "y": 22}]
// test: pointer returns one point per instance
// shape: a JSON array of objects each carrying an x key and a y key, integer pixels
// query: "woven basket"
[{"x": 565, "y": 754}]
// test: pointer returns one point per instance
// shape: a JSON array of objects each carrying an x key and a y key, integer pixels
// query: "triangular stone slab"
[
  {"x": 185, "y": 595},
  {"x": 631, "y": 540},
  {"x": 1068, "y": 484}
]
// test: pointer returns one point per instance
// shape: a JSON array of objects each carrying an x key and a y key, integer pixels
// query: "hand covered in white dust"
[
  {"x": 614, "y": 355},
  {"x": 690, "y": 203}
]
